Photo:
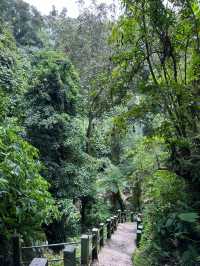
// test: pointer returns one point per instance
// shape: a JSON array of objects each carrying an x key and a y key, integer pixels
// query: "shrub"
[
  {"x": 25, "y": 202},
  {"x": 170, "y": 225}
]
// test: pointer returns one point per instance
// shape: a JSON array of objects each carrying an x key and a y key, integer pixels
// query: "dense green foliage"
[
  {"x": 98, "y": 113},
  {"x": 157, "y": 57},
  {"x": 51, "y": 102},
  {"x": 42, "y": 105},
  {"x": 171, "y": 226},
  {"x": 25, "y": 201},
  {"x": 25, "y": 21}
]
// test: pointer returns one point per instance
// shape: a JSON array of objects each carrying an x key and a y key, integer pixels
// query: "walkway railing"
[
  {"x": 139, "y": 228},
  {"x": 90, "y": 244}
]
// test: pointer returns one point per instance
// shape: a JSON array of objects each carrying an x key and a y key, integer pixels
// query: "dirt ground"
[{"x": 119, "y": 249}]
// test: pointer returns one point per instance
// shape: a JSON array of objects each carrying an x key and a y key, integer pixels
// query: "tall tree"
[
  {"x": 52, "y": 128},
  {"x": 25, "y": 21},
  {"x": 157, "y": 59},
  {"x": 25, "y": 201}
]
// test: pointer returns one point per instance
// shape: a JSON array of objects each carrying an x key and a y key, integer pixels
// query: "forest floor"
[{"x": 119, "y": 249}]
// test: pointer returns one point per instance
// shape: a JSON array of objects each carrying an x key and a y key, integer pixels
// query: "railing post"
[
  {"x": 115, "y": 222},
  {"x": 95, "y": 243},
  {"x": 122, "y": 217},
  {"x": 119, "y": 216},
  {"x": 108, "y": 223},
  {"x": 139, "y": 229},
  {"x": 69, "y": 255},
  {"x": 16, "y": 250},
  {"x": 86, "y": 250},
  {"x": 101, "y": 234},
  {"x": 138, "y": 237},
  {"x": 132, "y": 217},
  {"x": 139, "y": 221},
  {"x": 112, "y": 225},
  {"x": 125, "y": 215}
]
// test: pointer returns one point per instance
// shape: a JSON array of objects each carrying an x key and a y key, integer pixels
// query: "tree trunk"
[{"x": 89, "y": 134}]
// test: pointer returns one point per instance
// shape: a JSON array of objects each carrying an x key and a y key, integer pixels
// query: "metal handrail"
[{"x": 52, "y": 245}]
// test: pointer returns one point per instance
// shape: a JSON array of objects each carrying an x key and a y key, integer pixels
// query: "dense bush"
[
  {"x": 7, "y": 69},
  {"x": 170, "y": 224},
  {"x": 25, "y": 202},
  {"x": 97, "y": 211}
]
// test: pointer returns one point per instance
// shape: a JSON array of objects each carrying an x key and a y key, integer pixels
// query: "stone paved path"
[{"x": 119, "y": 249}]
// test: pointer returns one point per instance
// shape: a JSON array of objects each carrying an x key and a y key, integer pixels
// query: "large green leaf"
[{"x": 189, "y": 217}]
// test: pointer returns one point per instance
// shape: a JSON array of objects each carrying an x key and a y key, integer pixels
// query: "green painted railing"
[{"x": 91, "y": 243}]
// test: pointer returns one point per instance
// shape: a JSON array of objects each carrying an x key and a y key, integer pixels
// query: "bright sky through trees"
[{"x": 44, "y": 6}]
